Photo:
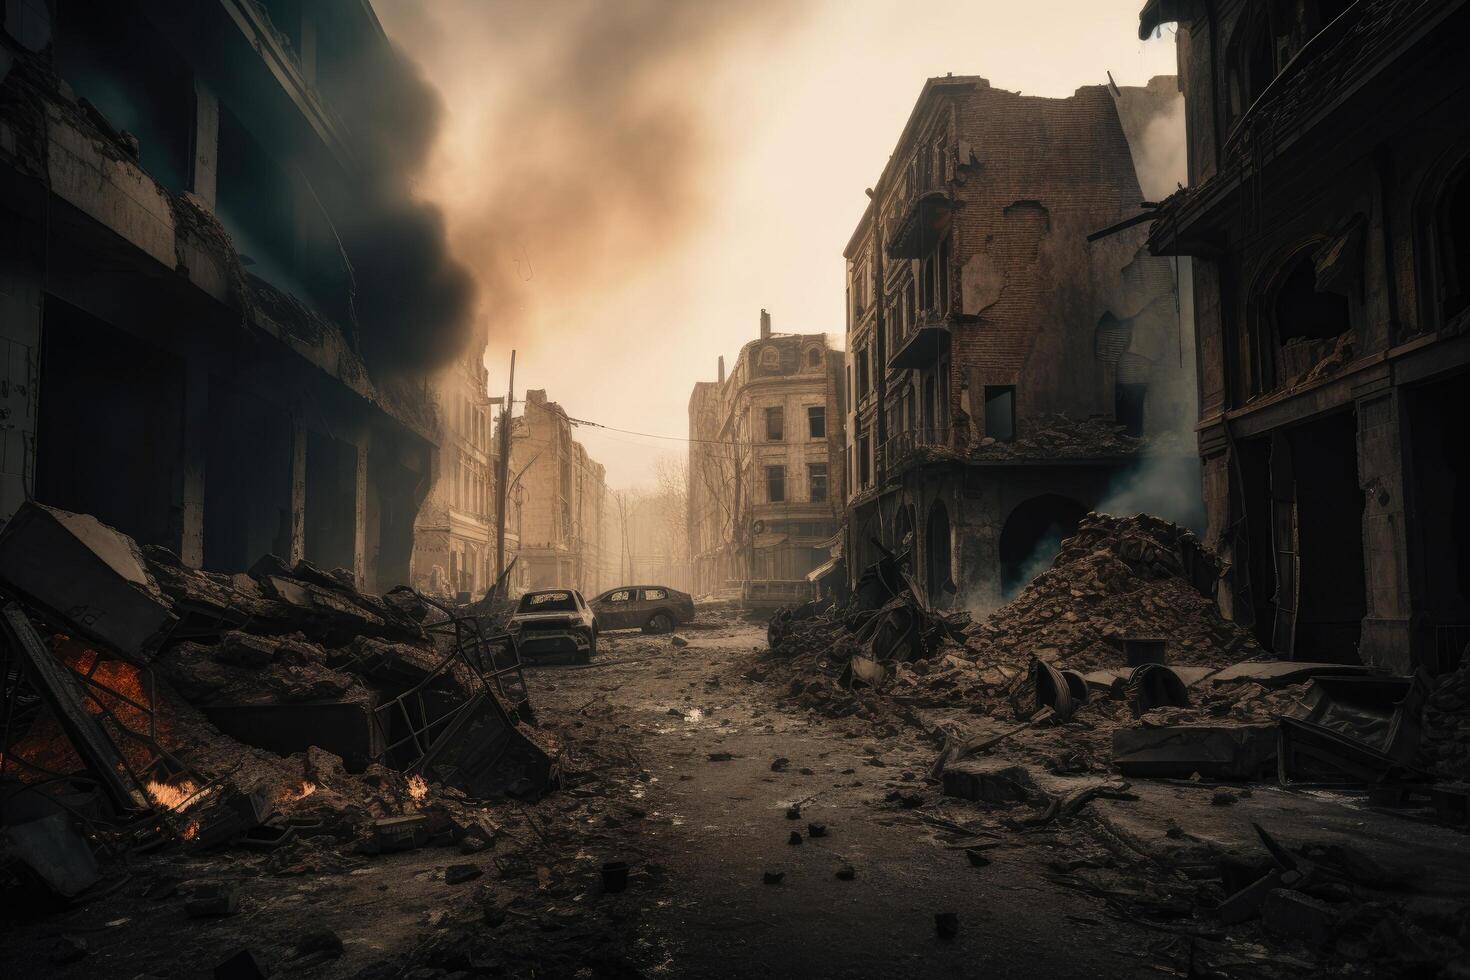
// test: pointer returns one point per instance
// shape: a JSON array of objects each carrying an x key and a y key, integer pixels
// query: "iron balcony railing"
[{"x": 902, "y": 445}]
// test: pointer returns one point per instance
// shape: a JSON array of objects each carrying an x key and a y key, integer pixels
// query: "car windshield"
[{"x": 548, "y": 602}]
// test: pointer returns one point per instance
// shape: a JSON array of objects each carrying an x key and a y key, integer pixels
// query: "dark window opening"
[
  {"x": 939, "y": 579},
  {"x": 276, "y": 223},
  {"x": 109, "y": 435},
  {"x": 247, "y": 479},
  {"x": 1000, "y": 412},
  {"x": 776, "y": 484},
  {"x": 862, "y": 373},
  {"x": 816, "y": 421},
  {"x": 392, "y": 507},
  {"x": 775, "y": 424},
  {"x": 135, "y": 81},
  {"x": 865, "y": 463},
  {"x": 1454, "y": 229},
  {"x": 1439, "y": 426},
  {"x": 1301, "y": 312},
  {"x": 1260, "y": 65},
  {"x": 814, "y": 358},
  {"x": 930, "y": 408},
  {"x": 1331, "y": 586},
  {"x": 331, "y": 502},
  {"x": 817, "y": 482},
  {"x": 1128, "y": 403}
]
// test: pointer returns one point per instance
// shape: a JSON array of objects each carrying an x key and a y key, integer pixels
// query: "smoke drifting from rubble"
[
  {"x": 414, "y": 301},
  {"x": 582, "y": 147}
]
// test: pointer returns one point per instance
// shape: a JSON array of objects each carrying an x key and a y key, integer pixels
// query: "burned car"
[
  {"x": 651, "y": 608},
  {"x": 550, "y": 622}
]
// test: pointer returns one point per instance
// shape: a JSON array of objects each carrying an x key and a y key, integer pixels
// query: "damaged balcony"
[
  {"x": 923, "y": 346},
  {"x": 925, "y": 220}
]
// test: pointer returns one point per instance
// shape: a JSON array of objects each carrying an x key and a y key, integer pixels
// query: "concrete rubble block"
[
  {"x": 1246, "y": 904},
  {"x": 1180, "y": 751},
  {"x": 1293, "y": 915},
  {"x": 54, "y": 854},
  {"x": 988, "y": 781},
  {"x": 90, "y": 576},
  {"x": 211, "y": 898},
  {"x": 400, "y": 833},
  {"x": 231, "y": 816}
]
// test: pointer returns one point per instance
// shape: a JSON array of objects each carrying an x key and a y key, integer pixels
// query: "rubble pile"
[
  {"x": 246, "y": 709},
  {"x": 1445, "y": 748},
  {"x": 1061, "y": 435},
  {"x": 1117, "y": 577}
]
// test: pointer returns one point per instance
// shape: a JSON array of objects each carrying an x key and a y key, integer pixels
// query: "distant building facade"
[
  {"x": 766, "y": 484},
  {"x": 563, "y": 502},
  {"x": 1004, "y": 370},
  {"x": 454, "y": 536},
  {"x": 1328, "y": 217}
]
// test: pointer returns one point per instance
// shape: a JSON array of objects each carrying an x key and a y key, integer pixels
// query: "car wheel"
[{"x": 659, "y": 622}]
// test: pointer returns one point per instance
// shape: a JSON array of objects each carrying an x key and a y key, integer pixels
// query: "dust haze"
[{"x": 583, "y": 148}]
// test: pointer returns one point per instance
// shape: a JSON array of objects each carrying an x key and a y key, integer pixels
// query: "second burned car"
[
  {"x": 651, "y": 608},
  {"x": 551, "y": 622}
]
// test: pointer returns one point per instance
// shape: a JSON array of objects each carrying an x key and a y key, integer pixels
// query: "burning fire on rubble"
[
  {"x": 292, "y": 795},
  {"x": 418, "y": 788},
  {"x": 171, "y": 796}
]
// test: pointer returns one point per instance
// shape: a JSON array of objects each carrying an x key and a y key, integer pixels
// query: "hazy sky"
[{"x": 633, "y": 180}]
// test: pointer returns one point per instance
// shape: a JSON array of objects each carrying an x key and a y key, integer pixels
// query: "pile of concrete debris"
[
  {"x": 1446, "y": 746},
  {"x": 1117, "y": 579},
  {"x": 146, "y": 701}
]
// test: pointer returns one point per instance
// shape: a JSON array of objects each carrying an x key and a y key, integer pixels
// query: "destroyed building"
[
  {"x": 454, "y": 536},
  {"x": 1328, "y": 214},
  {"x": 561, "y": 525},
  {"x": 1007, "y": 373},
  {"x": 188, "y": 325},
  {"x": 765, "y": 467}
]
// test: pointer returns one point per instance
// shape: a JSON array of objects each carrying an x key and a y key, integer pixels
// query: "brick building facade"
[
  {"x": 562, "y": 520},
  {"x": 454, "y": 535},
  {"x": 1005, "y": 371},
  {"x": 765, "y": 472},
  {"x": 1329, "y": 220}
]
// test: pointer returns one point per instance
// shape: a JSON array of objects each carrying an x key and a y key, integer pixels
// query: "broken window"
[
  {"x": 1000, "y": 412},
  {"x": 136, "y": 83},
  {"x": 816, "y": 475},
  {"x": 776, "y": 484},
  {"x": 816, "y": 421},
  {"x": 1128, "y": 402},
  {"x": 1454, "y": 241},
  {"x": 775, "y": 424}
]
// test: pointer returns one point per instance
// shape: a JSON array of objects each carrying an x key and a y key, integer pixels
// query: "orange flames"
[
  {"x": 418, "y": 788},
  {"x": 292, "y": 795},
  {"x": 171, "y": 796}
]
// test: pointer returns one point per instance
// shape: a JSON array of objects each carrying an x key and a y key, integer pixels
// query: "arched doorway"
[
  {"x": 937, "y": 578},
  {"x": 1031, "y": 536}
]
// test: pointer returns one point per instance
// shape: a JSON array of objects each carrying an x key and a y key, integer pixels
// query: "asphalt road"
[{"x": 718, "y": 825}]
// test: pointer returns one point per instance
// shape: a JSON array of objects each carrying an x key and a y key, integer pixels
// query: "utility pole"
[{"x": 503, "y": 471}]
